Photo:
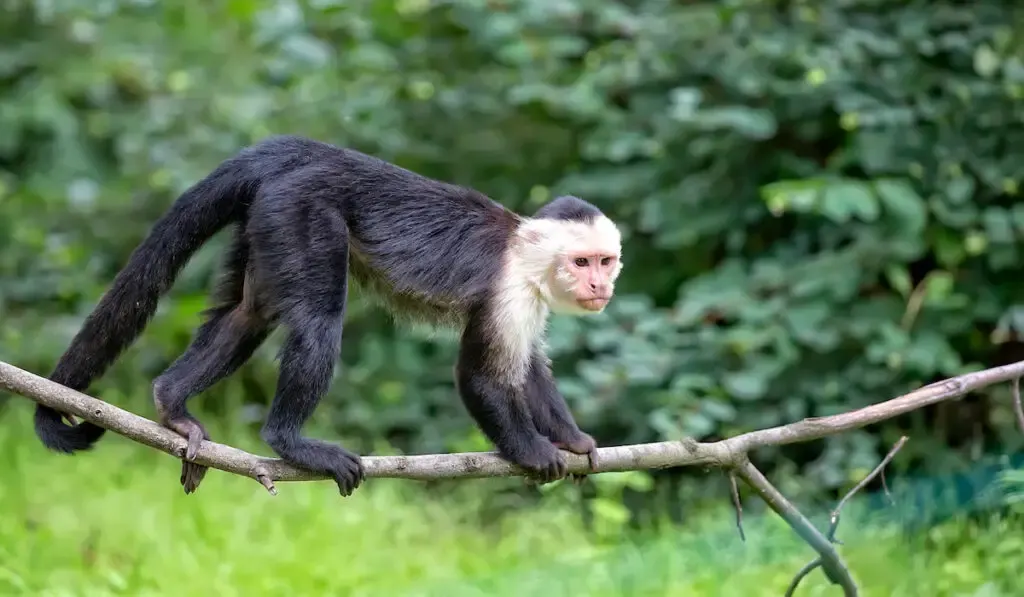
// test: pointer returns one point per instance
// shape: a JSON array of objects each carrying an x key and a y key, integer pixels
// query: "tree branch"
[
  {"x": 729, "y": 453},
  {"x": 420, "y": 467},
  {"x": 829, "y": 559},
  {"x": 834, "y": 521}
]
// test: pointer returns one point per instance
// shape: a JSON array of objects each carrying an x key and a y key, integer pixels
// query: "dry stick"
[
  {"x": 735, "y": 490},
  {"x": 807, "y": 569},
  {"x": 834, "y": 522},
  {"x": 831, "y": 563},
  {"x": 727, "y": 453},
  {"x": 885, "y": 489},
  {"x": 1017, "y": 408}
]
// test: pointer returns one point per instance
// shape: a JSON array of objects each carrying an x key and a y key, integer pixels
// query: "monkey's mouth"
[{"x": 592, "y": 304}]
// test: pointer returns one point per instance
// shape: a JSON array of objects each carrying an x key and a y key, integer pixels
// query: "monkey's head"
[{"x": 575, "y": 254}]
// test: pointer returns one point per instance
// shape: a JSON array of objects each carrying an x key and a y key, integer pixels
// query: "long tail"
[{"x": 128, "y": 306}]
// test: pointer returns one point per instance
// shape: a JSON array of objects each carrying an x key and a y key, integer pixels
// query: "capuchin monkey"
[{"x": 306, "y": 216}]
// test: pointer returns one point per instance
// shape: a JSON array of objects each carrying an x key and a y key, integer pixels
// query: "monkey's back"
[{"x": 427, "y": 249}]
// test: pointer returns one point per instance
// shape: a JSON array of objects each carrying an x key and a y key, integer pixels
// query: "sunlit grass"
[{"x": 114, "y": 522}]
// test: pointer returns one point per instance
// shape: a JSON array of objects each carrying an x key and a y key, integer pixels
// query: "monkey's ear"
[
  {"x": 532, "y": 236},
  {"x": 534, "y": 232}
]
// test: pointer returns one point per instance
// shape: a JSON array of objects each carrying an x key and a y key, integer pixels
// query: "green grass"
[{"x": 114, "y": 522}]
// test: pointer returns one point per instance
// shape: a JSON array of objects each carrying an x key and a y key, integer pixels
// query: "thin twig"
[
  {"x": 885, "y": 489},
  {"x": 735, "y": 490},
  {"x": 1017, "y": 408},
  {"x": 834, "y": 524},
  {"x": 831, "y": 563},
  {"x": 807, "y": 569}
]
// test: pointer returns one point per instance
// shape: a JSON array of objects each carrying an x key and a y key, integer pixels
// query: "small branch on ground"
[{"x": 730, "y": 454}]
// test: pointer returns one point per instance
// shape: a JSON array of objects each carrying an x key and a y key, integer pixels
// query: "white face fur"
[
  {"x": 573, "y": 265},
  {"x": 562, "y": 266}
]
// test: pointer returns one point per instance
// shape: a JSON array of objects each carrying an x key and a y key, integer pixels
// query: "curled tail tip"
[{"x": 61, "y": 437}]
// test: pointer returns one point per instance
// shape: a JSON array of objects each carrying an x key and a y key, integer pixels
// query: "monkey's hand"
[
  {"x": 541, "y": 460},
  {"x": 584, "y": 444}
]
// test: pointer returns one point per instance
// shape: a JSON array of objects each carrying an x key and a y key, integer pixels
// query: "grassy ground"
[{"x": 114, "y": 523}]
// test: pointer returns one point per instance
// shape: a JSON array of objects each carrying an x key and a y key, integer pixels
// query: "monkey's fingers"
[
  {"x": 579, "y": 478},
  {"x": 555, "y": 470},
  {"x": 348, "y": 474},
  {"x": 547, "y": 474},
  {"x": 590, "y": 452}
]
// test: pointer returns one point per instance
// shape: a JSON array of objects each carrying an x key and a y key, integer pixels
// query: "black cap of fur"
[{"x": 568, "y": 208}]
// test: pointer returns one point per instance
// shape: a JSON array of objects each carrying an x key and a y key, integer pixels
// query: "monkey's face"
[
  {"x": 584, "y": 282},
  {"x": 579, "y": 260},
  {"x": 593, "y": 280}
]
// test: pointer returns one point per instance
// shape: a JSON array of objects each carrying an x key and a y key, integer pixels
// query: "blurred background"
[{"x": 821, "y": 209}]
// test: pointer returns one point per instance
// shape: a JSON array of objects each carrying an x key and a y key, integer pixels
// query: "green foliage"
[{"x": 820, "y": 200}]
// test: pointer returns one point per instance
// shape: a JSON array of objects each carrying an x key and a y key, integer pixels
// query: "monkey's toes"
[
  {"x": 192, "y": 475},
  {"x": 195, "y": 437},
  {"x": 192, "y": 430}
]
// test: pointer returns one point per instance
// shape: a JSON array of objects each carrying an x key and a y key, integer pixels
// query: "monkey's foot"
[
  {"x": 191, "y": 473},
  {"x": 583, "y": 444}
]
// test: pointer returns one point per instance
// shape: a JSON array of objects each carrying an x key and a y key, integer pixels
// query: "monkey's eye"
[
  {"x": 606, "y": 260},
  {"x": 580, "y": 262}
]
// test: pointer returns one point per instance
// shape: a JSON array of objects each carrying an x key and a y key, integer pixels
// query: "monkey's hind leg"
[
  {"x": 220, "y": 347},
  {"x": 307, "y": 364},
  {"x": 231, "y": 333},
  {"x": 300, "y": 247}
]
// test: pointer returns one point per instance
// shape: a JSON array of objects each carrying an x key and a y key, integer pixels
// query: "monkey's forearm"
[
  {"x": 549, "y": 411},
  {"x": 505, "y": 418},
  {"x": 551, "y": 414}
]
